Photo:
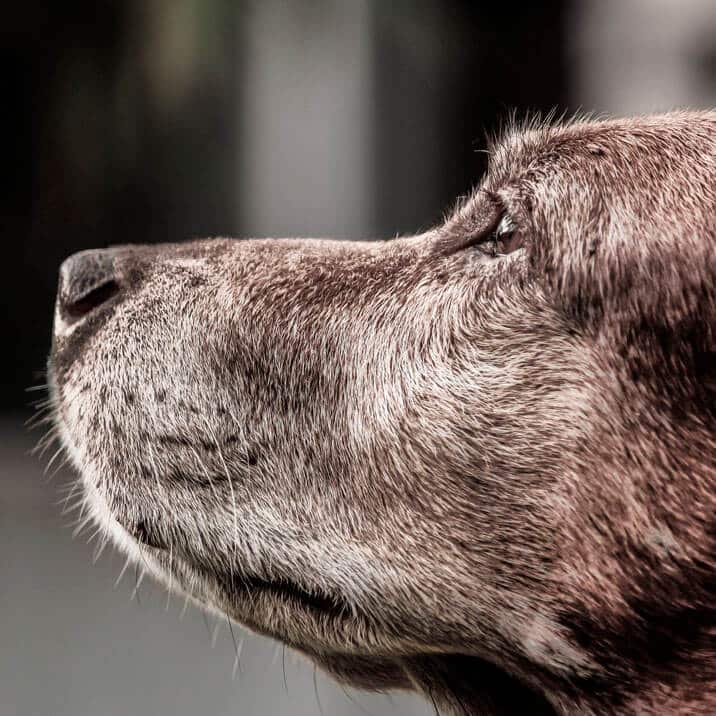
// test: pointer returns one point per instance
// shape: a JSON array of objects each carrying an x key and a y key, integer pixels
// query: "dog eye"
[{"x": 503, "y": 240}]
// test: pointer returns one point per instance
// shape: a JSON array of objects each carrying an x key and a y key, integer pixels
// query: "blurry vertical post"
[
  {"x": 306, "y": 119},
  {"x": 638, "y": 56}
]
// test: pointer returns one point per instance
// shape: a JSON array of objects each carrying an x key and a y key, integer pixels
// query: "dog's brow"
[{"x": 476, "y": 216}]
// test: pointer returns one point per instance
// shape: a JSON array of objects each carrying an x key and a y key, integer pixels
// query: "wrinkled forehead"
[
  {"x": 626, "y": 145},
  {"x": 638, "y": 170}
]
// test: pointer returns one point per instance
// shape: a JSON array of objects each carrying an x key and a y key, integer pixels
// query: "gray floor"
[{"x": 73, "y": 644}]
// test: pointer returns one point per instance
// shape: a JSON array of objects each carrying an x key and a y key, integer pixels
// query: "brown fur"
[{"x": 488, "y": 478}]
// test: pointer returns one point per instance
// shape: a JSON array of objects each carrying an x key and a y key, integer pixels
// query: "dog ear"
[
  {"x": 624, "y": 240},
  {"x": 610, "y": 264}
]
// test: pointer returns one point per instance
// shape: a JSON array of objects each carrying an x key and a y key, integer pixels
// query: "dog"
[{"x": 478, "y": 463}]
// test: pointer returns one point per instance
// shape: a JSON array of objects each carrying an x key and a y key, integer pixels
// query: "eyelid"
[
  {"x": 477, "y": 222},
  {"x": 504, "y": 225},
  {"x": 467, "y": 229},
  {"x": 503, "y": 239}
]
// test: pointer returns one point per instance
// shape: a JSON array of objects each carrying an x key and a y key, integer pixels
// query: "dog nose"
[{"x": 87, "y": 280}]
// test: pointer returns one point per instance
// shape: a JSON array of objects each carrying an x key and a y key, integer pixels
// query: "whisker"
[
  {"x": 83, "y": 508},
  {"x": 138, "y": 577},
  {"x": 64, "y": 502},
  {"x": 237, "y": 648},
  {"x": 357, "y": 704},
  {"x": 205, "y": 619},
  {"x": 100, "y": 549},
  {"x": 42, "y": 415},
  {"x": 99, "y": 529},
  {"x": 171, "y": 576},
  {"x": 215, "y": 633},
  {"x": 81, "y": 525},
  {"x": 123, "y": 570},
  {"x": 45, "y": 441},
  {"x": 315, "y": 690},
  {"x": 233, "y": 495},
  {"x": 63, "y": 463},
  {"x": 237, "y": 662},
  {"x": 206, "y": 472},
  {"x": 73, "y": 507},
  {"x": 283, "y": 667},
  {"x": 432, "y": 699},
  {"x": 186, "y": 604},
  {"x": 53, "y": 458}
]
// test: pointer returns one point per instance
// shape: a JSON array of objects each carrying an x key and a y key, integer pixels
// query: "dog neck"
[{"x": 469, "y": 686}]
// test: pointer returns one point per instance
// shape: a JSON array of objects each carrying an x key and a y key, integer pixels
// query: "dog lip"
[
  {"x": 147, "y": 535},
  {"x": 285, "y": 590}
]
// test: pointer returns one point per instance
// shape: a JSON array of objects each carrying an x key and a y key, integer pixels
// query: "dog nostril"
[
  {"x": 92, "y": 299},
  {"x": 87, "y": 280}
]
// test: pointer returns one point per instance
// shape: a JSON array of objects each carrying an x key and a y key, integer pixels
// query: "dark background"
[
  {"x": 144, "y": 121},
  {"x": 125, "y": 122},
  {"x": 163, "y": 120}
]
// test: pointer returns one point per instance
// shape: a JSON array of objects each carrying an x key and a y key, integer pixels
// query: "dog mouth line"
[
  {"x": 238, "y": 583},
  {"x": 287, "y": 591}
]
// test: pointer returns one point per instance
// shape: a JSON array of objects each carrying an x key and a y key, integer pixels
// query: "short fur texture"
[{"x": 487, "y": 478}]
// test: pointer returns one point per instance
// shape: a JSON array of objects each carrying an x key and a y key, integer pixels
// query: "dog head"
[{"x": 478, "y": 462}]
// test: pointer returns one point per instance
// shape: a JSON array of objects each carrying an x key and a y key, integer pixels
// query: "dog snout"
[{"x": 88, "y": 280}]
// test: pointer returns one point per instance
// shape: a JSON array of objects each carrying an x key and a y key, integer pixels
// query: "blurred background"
[{"x": 163, "y": 120}]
